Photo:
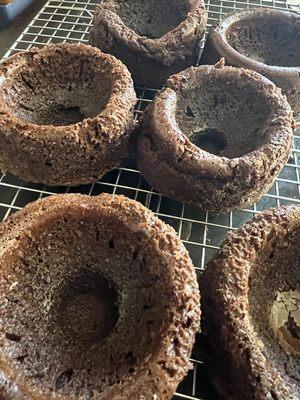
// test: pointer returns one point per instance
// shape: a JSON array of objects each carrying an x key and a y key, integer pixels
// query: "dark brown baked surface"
[
  {"x": 99, "y": 300},
  {"x": 66, "y": 114},
  {"x": 264, "y": 40},
  {"x": 215, "y": 137},
  {"x": 246, "y": 291},
  {"x": 154, "y": 38}
]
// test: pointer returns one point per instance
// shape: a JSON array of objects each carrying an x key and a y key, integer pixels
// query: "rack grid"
[{"x": 201, "y": 232}]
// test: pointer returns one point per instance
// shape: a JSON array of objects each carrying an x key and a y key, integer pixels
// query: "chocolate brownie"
[
  {"x": 99, "y": 300},
  {"x": 154, "y": 38},
  {"x": 251, "y": 309},
  {"x": 66, "y": 114},
  {"x": 215, "y": 137}
]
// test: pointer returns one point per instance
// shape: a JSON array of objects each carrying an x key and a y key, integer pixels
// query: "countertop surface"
[{"x": 13, "y": 31}]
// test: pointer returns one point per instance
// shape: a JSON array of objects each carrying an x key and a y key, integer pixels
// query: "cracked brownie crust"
[
  {"x": 155, "y": 39},
  {"x": 251, "y": 309},
  {"x": 99, "y": 300},
  {"x": 66, "y": 114},
  {"x": 215, "y": 137}
]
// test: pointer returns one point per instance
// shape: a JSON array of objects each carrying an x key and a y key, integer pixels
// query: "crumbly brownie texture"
[
  {"x": 99, "y": 300},
  {"x": 264, "y": 40},
  {"x": 215, "y": 137},
  {"x": 239, "y": 287},
  {"x": 154, "y": 38},
  {"x": 66, "y": 114}
]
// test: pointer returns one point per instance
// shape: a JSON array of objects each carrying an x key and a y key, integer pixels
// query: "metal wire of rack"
[{"x": 201, "y": 232}]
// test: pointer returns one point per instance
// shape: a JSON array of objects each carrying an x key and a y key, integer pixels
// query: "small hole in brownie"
[
  {"x": 21, "y": 358},
  {"x": 209, "y": 140},
  {"x": 13, "y": 336},
  {"x": 188, "y": 323},
  {"x": 111, "y": 243},
  {"x": 135, "y": 254},
  {"x": 189, "y": 112},
  {"x": 274, "y": 395},
  {"x": 63, "y": 378}
]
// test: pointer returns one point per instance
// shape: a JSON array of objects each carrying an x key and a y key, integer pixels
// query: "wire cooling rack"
[{"x": 201, "y": 232}]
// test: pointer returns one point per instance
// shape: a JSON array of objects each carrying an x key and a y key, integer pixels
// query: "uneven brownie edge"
[
  {"x": 74, "y": 132},
  {"x": 151, "y": 60},
  {"x": 248, "y": 362},
  {"x": 221, "y": 43},
  {"x": 176, "y": 166},
  {"x": 160, "y": 270}
]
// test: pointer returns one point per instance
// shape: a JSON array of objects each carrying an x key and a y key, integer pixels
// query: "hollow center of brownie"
[
  {"x": 284, "y": 320},
  {"x": 223, "y": 116},
  {"x": 82, "y": 303},
  {"x": 89, "y": 310},
  {"x": 210, "y": 140},
  {"x": 60, "y": 90},
  {"x": 274, "y": 302},
  {"x": 152, "y": 18},
  {"x": 272, "y": 39}
]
